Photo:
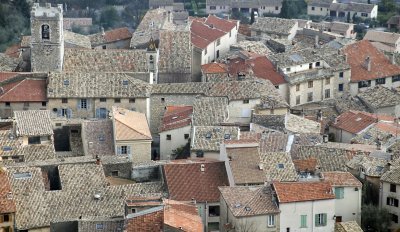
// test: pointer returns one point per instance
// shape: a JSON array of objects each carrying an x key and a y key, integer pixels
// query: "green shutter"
[
  {"x": 303, "y": 222},
  {"x": 339, "y": 192},
  {"x": 324, "y": 217},
  {"x": 316, "y": 220}
]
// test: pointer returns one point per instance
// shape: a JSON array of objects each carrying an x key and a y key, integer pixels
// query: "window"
[
  {"x": 64, "y": 100},
  {"x": 309, "y": 97},
  {"x": 339, "y": 192},
  {"x": 125, "y": 82},
  {"x": 327, "y": 93},
  {"x": 380, "y": 81},
  {"x": 99, "y": 226},
  {"x": 341, "y": 74},
  {"x": 395, "y": 218},
  {"x": 217, "y": 54},
  {"x": 298, "y": 87},
  {"x": 363, "y": 84},
  {"x": 66, "y": 82},
  {"x": 246, "y": 101},
  {"x": 199, "y": 154},
  {"x": 392, "y": 188},
  {"x": 83, "y": 103},
  {"x": 364, "y": 14},
  {"x": 310, "y": 66},
  {"x": 276, "y": 86},
  {"x": 186, "y": 136},
  {"x": 123, "y": 150},
  {"x": 114, "y": 173},
  {"x": 276, "y": 8},
  {"x": 327, "y": 81},
  {"x": 396, "y": 78},
  {"x": 26, "y": 104},
  {"x": 303, "y": 221},
  {"x": 213, "y": 7},
  {"x": 340, "y": 87},
  {"x": 132, "y": 100},
  {"x": 133, "y": 210},
  {"x": 312, "y": 8},
  {"x": 392, "y": 201},
  {"x": 103, "y": 99},
  {"x": 168, "y": 137},
  {"x": 8, "y": 104},
  {"x": 320, "y": 219},
  {"x": 6, "y": 218},
  {"x": 318, "y": 64},
  {"x": 117, "y": 100},
  {"x": 213, "y": 211},
  {"x": 162, "y": 99},
  {"x": 288, "y": 229},
  {"x": 287, "y": 69},
  {"x": 102, "y": 138},
  {"x": 45, "y": 31},
  {"x": 310, "y": 84},
  {"x": 271, "y": 220},
  {"x": 34, "y": 140},
  {"x": 218, "y": 42},
  {"x": 297, "y": 100},
  {"x": 230, "y": 34},
  {"x": 281, "y": 166}
]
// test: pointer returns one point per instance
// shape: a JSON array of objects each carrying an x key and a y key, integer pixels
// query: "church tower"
[
  {"x": 47, "y": 38},
  {"x": 152, "y": 58}
]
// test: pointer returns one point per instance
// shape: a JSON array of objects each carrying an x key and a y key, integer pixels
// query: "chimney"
[
  {"x": 367, "y": 63},
  {"x": 316, "y": 45},
  {"x": 393, "y": 58},
  {"x": 202, "y": 167},
  {"x": 169, "y": 16},
  {"x": 102, "y": 31}
]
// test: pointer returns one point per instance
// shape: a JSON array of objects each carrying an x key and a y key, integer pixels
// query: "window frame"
[
  {"x": 393, "y": 188},
  {"x": 124, "y": 150},
  {"x": 310, "y": 84},
  {"x": 271, "y": 220},
  {"x": 310, "y": 97},
  {"x": 339, "y": 192},
  {"x": 320, "y": 219},
  {"x": 303, "y": 221},
  {"x": 341, "y": 87},
  {"x": 83, "y": 103},
  {"x": 327, "y": 93}
]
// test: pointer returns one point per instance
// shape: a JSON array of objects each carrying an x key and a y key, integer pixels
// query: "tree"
[
  {"x": 374, "y": 219},
  {"x": 109, "y": 17},
  {"x": 293, "y": 9}
]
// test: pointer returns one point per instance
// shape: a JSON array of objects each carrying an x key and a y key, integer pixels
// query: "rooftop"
[
  {"x": 99, "y": 137},
  {"x": 110, "y": 36},
  {"x": 176, "y": 117},
  {"x": 350, "y": 226},
  {"x": 381, "y": 36},
  {"x": 130, "y": 125},
  {"x": 381, "y": 66},
  {"x": 210, "y": 111},
  {"x": 303, "y": 191},
  {"x": 352, "y": 6},
  {"x": 203, "y": 34},
  {"x": 25, "y": 90},
  {"x": 392, "y": 176},
  {"x": 344, "y": 179},
  {"x": 274, "y": 25},
  {"x": 371, "y": 166},
  {"x": 379, "y": 97},
  {"x": 183, "y": 216},
  {"x": 354, "y": 121},
  {"x": 78, "y": 40},
  {"x": 33, "y": 123},
  {"x": 278, "y": 166},
  {"x": 249, "y": 201},
  {"x": 7, "y": 204},
  {"x": 195, "y": 180},
  {"x": 297, "y": 124},
  {"x": 209, "y": 138}
]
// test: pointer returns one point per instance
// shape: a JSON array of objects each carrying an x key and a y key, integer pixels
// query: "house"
[
  {"x": 206, "y": 140},
  {"x": 381, "y": 100},
  {"x": 319, "y": 8},
  {"x": 388, "y": 39},
  {"x": 313, "y": 74},
  {"x": 275, "y": 28},
  {"x": 260, "y": 6},
  {"x": 351, "y": 123},
  {"x": 92, "y": 95},
  {"x": 370, "y": 67},
  {"x": 211, "y": 39},
  {"x": 22, "y": 92},
  {"x": 182, "y": 216},
  {"x": 210, "y": 111},
  {"x": 118, "y": 38},
  {"x": 249, "y": 208},
  {"x": 164, "y": 4},
  {"x": 278, "y": 166},
  {"x": 381, "y": 135},
  {"x": 98, "y": 138},
  {"x": 132, "y": 135},
  {"x": 175, "y": 130},
  {"x": 369, "y": 169},
  {"x": 393, "y": 22},
  {"x": 352, "y": 9},
  {"x": 7, "y": 204},
  {"x": 34, "y": 126},
  {"x": 308, "y": 205},
  {"x": 288, "y": 123},
  {"x": 198, "y": 181},
  {"x": 389, "y": 196},
  {"x": 326, "y": 30},
  {"x": 350, "y": 226},
  {"x": 348, "y": 191}
]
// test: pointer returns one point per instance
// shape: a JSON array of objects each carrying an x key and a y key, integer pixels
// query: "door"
[{"x": 338, "y": 218}]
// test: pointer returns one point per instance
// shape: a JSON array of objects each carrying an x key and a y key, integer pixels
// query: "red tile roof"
[
  {"x": 182, "y": 215},
  {"x": 7, "y": 205},
  {"x": 354, "y": 121},
  {"x": 146, "y": 222},
  {"x": 203, "y": 34},
  {"x": 213, "y": 68},
  {"x": 380, "y": 64},
  {"x": 13, "y": 51},
  {"x": 388, "y": 127},
  {"x": 341, "y": 179},
  {"x": 176, "y": 117},
  {"x": 7, "y": 75},
  {"x": 186, "y": 181},
  {"x": 222, "y": 24},
  {"x": 117, "y": 34},
  {"x": 305, "y": 164},
  {"x": 303, "y": 191},
  {"x": 27, "y": 90}
]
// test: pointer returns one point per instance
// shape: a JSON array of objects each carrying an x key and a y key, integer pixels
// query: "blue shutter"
[
  {"x": 79, "y": 104},
  {"x": 69, "y": 113},
  {"x": 59, "y": 112},
  {"x": 98, "y": 113},
  {"x": 119, "y": 150}
]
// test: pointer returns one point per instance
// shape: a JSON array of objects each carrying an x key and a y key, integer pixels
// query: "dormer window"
[
  {"x": 45, "y": 31},
  {"x": 125, "y": 82}
]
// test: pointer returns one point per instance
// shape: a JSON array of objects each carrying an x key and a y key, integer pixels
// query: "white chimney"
[{"x": 202, "y": 167}]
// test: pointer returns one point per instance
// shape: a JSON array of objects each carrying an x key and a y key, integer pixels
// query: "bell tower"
[
  {"x": 152, "y": 58},
  {"x": 47, "y": 38}
]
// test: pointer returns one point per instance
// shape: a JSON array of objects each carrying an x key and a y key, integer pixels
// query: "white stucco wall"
[
  {"x": 318, "y": 11},
  {"x": 177, "y": 140},
  {"x": 349, "y": 207},
  {"x": 291, "y": 215}
]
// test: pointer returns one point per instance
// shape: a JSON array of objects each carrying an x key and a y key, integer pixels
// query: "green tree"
[
  {"x": 109, "y": 17},
  {"x": 293, "y": 8},
  {"x": 374, "y": 219}
]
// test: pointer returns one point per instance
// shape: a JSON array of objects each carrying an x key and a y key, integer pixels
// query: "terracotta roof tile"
[
  {"x": 380, "y": 64},
  {"x": 213, "y": 68},
  {"x": 176, "y": 117},
  {"x": 263, "y": 68},
  {"x": 303, "y": 165},
  {"x": 205, "y": 32},
  {"x": 222, "y": 24},
  {"x": 341, "y": 179},
  {"x": 147, "y": 220},
  {"x": 182, "y": 216},
  {"x": 303, "y": 191},
  {"x": 186, "y": 181},
  {"x": 13, "y": 51},
  {"x": 110, "y": 36},
  {"x": 7, "y": 204},
  {"x": 130, "y": 125},
  {"x": 354, "y": 121},
  {"x": 27, "y": 90}
]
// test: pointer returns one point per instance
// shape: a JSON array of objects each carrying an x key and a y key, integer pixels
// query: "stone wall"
[{"x": 124, "y": 169}]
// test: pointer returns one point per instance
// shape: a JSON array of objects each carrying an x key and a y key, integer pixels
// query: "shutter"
[
  {"x": 341, "y": 193},
  {"x": 79, "y": 104},
  {"x": 98, "y": 113},
  {"x": 316, "y": 220},
  {"x": 59, "y": 112},
  {"x": 119, "y": 150},
  {"x": 88, "y": 103},
  {"x": 324, "y": 219},
  {"x": 396, "y": 202},
  {"x": 128, "y": 150},
  {"x": 69, "y": 113},
  {"x": 303, "y": 222},
  {"x": 387, "y": 201}
]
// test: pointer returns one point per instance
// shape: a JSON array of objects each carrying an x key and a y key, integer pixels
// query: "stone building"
[{"x": 47, "y": 40}]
